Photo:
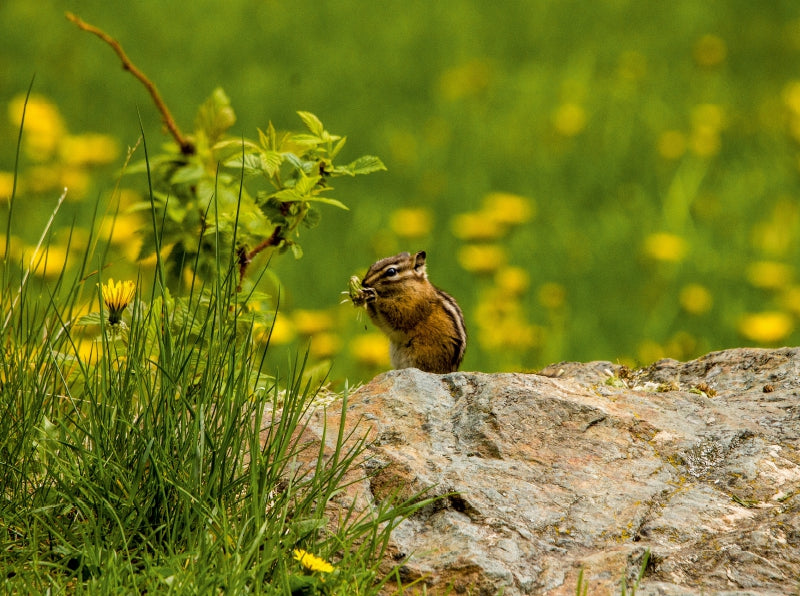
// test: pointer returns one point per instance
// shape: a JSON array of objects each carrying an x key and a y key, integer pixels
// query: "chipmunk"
[{"x": 424, "y": 324}]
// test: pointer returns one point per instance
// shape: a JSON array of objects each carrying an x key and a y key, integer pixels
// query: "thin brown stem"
[
  {"x": 246, "y": 257},
  {"x": 187, "y": 148}
]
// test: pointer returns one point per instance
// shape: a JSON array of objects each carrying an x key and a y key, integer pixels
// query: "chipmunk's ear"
[{"x": 419, "y": 262}]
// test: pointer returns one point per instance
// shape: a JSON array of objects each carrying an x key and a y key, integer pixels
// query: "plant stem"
[{"x": 187, "y": 147}]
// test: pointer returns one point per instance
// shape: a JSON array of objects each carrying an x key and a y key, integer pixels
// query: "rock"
[{"x": 585, "y": 467}]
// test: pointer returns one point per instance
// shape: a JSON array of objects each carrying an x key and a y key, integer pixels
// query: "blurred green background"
[{"x": 607, "y": 180}]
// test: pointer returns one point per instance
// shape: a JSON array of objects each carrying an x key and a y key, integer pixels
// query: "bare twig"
[
  {"x": 246, "y": 257},
  {"x": 187, "y": 148}
]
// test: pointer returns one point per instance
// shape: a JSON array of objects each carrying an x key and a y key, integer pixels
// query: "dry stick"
[{"x": 187, "y": 148}]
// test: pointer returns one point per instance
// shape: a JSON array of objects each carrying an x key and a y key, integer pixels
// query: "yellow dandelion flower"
[
  {"x": 312, "y": 562},
  {"x": 325, "y": 345},
  {"x": 695, "y": 299},
  {"x": 88, "y": 149},
  {"x": 790, "y": 299},
  {"x": 476, "y": 226},
  {"x": 122, "y": 228},
  {"x": 513, "y": 280},
  {"x": 371, "y": 349},
  {"x": 766, "y": 327},
  {"x": 705, "y": 141},
  {"x": 281, "y": 331},
  {"x": 77, "y": 181},
  {"x": 791, "y": 96},
  {"x": 709, "y": 115},
  {"x": 508, "y": 209},
  {"x": 117, "y": 297},
  {"x": 769, "y": 274},
  {"x": 50, "y": 262},
  {"x": 671, "y": 144},
  {"x": 650, "y": 351},
  {"x": 411, "y": 223},
  {"x": 569, "y": 119},
  {"x": 311, "y": 322},
  {"x": 16, "y": 247},
  {"x": 482, "y": 258},
  {"x": 44, "y": 126},
  {"x": 663, "y": 246},
  {"x": 6, "y": 184}
]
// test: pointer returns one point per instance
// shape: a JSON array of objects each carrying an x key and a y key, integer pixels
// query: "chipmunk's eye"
[{"x": 391, "y": 272}]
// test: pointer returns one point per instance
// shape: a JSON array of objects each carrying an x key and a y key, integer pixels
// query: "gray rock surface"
[{"x": 585, "y": 466}]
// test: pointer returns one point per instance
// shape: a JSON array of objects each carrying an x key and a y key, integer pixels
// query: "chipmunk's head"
[{"x": 394, "y": 276}]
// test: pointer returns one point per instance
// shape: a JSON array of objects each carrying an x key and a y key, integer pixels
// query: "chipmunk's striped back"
[{"x": 425, "y": 326}]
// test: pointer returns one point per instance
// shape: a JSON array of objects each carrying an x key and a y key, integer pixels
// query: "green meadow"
[
  {"x": 614, "y": 180},
  {"x": 610, "y": 180}
]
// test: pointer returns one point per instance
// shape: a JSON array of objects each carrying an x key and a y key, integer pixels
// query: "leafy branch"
[{"x": 199, "y": 190}]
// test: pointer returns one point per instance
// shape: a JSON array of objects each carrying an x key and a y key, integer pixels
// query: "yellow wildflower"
[
  {"x": 280, "y": 332},
  {"x": 790, "y": 299},
  {"x": 117, "y": 297},
  {"x": 6, "y": 184},
  {"x": 482, "y": 258},
  {"x": 476, "y": 226},
  {"x": 312, "y": 562},
  {"x": 50, "y": 262},
  {"x": 766, "y": 327},
  {"x": 44, "y": 126},
  {"x": 371, "y": 349},
  {"x": 509, "y": 209},
  {"x": 312, "y": 322},
  {"x": 769, "y": 274},
  {"x": 88, "y": 149},
  {"x": 671, "y": 144},
  {"x": 695, "y": 299},
  {"x": 514, "y": 280},
  {"x": 663, "y": 246},
  {"x": 570, "y": 119},
  {"x": 325, "y": 345},
  {"x": 791, "y": 96},
  {"x": 411, "y": 223}
]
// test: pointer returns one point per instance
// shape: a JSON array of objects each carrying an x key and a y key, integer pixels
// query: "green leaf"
[
  {"x": 338, "y": 147},
  {"x": 312, "y": 123},
  {"x": 294, "y": 160},
  {"x": 365, "y": 164},
  {"x": 297, "y": 251},
  {"x": 306, "y": 140},
  {"x": 188, "y": 174},
  {"x": 268, "y": 138},
  {"x": 215, "y": 116},
  {"x": 287, "y": 195},
  {"x": 252, "y": 164},
  {"x": 312, "y": 218},
  {"x": 332, "y": 202},
  {"x": 305, "y": 184},
  {"x": 93, "y": 318}
]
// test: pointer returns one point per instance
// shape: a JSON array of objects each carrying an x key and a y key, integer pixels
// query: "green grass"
[
  {"x": 605, "y": 116},
  {"x": 162, "y": 454}
]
